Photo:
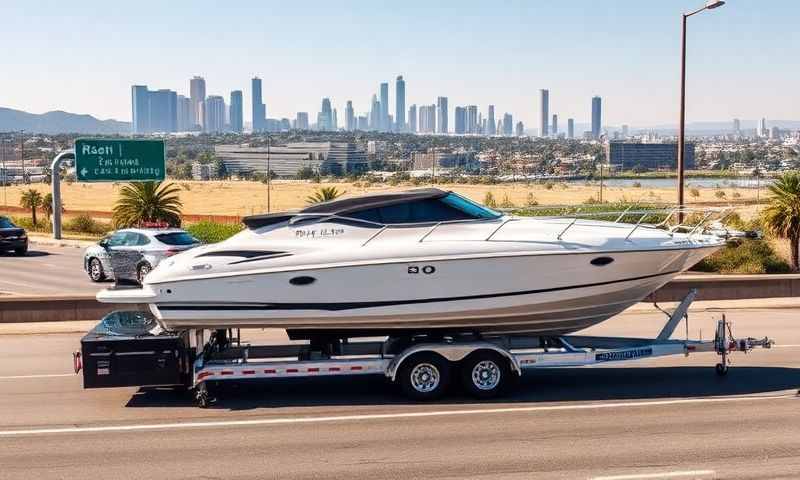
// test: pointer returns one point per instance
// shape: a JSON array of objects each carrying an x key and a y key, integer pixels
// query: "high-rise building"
[
  {"x": 349, "y": 117},
  {"x": 215, "y": 114},
  {"x": 427, "y": 119},
  {"x": 625, "y": 131},
  {"x": 163, "y": 111},
  {"x": 521, "y": 129},
  {"x": 597, "y": 118},
  {"x": 460, "y": 119},
  {"x": 737, "y": 126},
  {"x": 325, "y": 117},
  {"x": 555, "y": 125},
  {"x": 441, "y": 107},
  {"x": 412, "y": 118},
  {"x": 472, "y": 119},
  {"x": 544, "y": 100},
  {"x": 490, "y": 125},
  {"x": 508, "y": 125},
  {"x": 384, "y": 120},
  {"x": 375, "y": 114},
  {"x": 762, "y": 128},
  {"x": 185, "y": 122},
  {"x": 236, "y": 112},
  {"x": 197, "y": 92},
  {"x": 570, "y": 128},
  {"x": 400, "y": 104},
  {"x": 140, "y": 109},
  {"x": 335, "y": 121},
  {"x": 362, "y": 123},
  {"x": 301, "y": 121},
  {"x": 259, "y": 109}
]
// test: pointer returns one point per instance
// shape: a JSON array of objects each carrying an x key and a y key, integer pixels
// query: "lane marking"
[
  {"x": 380, "y": 416},
  {"x": 43, "y": 375},
  {"x": 676, "y": 474}
]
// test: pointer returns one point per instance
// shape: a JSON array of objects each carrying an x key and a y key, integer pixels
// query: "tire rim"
[
  {"x": 94, "y": 267},
  {"x": 486, "y": 375},
  {"x": 425, "y": 378}
]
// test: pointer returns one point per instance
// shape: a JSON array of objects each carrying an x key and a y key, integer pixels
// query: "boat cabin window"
[{"x": 432, "y": 210}]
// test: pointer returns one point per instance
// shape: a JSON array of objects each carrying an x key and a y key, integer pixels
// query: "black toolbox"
[{"x": 129, "y": 349}]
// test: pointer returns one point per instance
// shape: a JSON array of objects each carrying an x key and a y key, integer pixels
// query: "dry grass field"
[{"x": 246, "y": 198}]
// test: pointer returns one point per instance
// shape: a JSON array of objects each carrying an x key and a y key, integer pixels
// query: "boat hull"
[{"x": 526, "y": 294}]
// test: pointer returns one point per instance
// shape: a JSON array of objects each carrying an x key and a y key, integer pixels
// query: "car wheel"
[
  {"x": 142, "y": 271},
  {"x": 21, "y": 250},
  {"x": 96, "y": 273}
]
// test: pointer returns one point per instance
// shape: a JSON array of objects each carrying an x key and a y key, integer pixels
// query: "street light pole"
[
  {"x": 710, "y": 5},
  {"x": 269, "y": 180}
]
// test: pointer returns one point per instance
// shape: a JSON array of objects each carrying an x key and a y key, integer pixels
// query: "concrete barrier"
[{"x": 27, "y": 309}]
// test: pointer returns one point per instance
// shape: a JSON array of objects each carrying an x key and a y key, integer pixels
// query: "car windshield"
[
  {"x": 177, "y": 238},
  {"x": 6, "y": 223}
]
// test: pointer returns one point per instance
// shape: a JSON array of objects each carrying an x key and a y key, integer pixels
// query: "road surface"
[
  {"x": 661, "y": 418},
  {"x": 46, "y": 270}
]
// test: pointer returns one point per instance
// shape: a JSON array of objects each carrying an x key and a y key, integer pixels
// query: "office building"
[
  {"x": 215, "y": 114},
  {"x": 570, "y": 128},
  {"x": 197, "y": 94},
  {"x": 236, "y": 112},
  {"x": 762, "y": 128},
  {"x": 140, "y": 109},
  {"x": 301, "y": 121},
  {"x": 625, "y": 131},
  {"x": 335, "y": 120},
  {"x": 737, "y": 126},
  {"x": 325, "y": 116},
  {"x": 362, "y": 123},
  {"x": 328, "y": 158},
  {"x": 427, "y": 119},
  {"x": 441, "y": 112},
  {"x": 472, "y": 119},
  {"x": 649, "y": 156},
  {"x": 412, "y": 118},
  {"x": 554, "y": 126},
  {"x": 163, "y": 111},
  {"x": 349, "y": 117},
  {"x": 596, "y": 117},
  {"x": 259, "y": 110},
  {"x": 400, "y": 104},
  {"x": 544, "y": 105},
  {"x": 508, "y": 125},
  {"x": 460, "y": 119},
  {"x": 490, "y": 122},
  {"x": 384, "y": 125},
  {"x": 375, "y": 114},
  {"x": 185, "y": 122},
  {"x": 520, "y": 131}
]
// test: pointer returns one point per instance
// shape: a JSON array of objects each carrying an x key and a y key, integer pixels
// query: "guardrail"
[{"x": 29, "y": 309}]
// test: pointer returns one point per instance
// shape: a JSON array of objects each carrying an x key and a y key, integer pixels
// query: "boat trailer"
[{"x": 422, "y": 365}]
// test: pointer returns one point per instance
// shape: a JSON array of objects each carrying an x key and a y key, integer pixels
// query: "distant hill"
[{"x": 58, "y": 122}]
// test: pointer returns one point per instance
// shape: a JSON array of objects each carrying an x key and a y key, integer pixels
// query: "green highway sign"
[{"x": 114, "y": 160}]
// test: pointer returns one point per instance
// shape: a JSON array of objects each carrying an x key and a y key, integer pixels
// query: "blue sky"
[{"x": 83, "y": 56}]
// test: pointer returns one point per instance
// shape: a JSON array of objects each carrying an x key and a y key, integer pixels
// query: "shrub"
[
  {"x": 212, "y": 232},
  {"x": 747, "y": 257},
  {"x": 694, "y": 192},
  {"x": 736, "y": 195},
  {"x": 637, "y": 185},
  {"x": 84, "y": 223},
  {"x": 506, "y": 203},
  {"x": 549, "y": 185},
  {"x": 531, "y": 201},
  {"x": 719, "y": 194},
  {"x": 489, "y": 200}
]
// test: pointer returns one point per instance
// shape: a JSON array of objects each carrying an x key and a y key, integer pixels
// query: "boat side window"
[{"x": 426, "y": 211}]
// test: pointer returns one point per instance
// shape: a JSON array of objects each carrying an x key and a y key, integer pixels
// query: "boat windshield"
[
  {"x": 476, "y": 210},
  {"x": 448, "y": 208}
]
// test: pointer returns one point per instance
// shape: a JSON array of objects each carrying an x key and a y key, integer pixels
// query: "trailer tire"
[
  {"x": 424, "y": 376},
  {"x": 485, "y": 374}
]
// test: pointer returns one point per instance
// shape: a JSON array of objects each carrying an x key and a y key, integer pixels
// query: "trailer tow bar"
[{"x": 725, "y": 343}]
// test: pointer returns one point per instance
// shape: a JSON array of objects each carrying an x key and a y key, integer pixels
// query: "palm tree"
[
  {"x": 782, "y": 215},
  {"x": 31, "y": 199},
  {"x": 47, "y": 205},
  {"x": 143, "y": 202},
  {"x": 323, "y": 194}
]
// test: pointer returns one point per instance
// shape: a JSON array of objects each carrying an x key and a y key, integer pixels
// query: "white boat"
[{"x": 417, "y": 261}]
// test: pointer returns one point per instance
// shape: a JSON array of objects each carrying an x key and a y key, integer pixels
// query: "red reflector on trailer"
[
  {"x": 312, "y": 370},
  {"x": 269, "y": 370},
  {"x": 334, "y": 369},
  {"x": 226, "y": 372},
  {"x": 291, "y": 370},
  {"x": 248, "y": 372},
  {"x": 356, "y": 367}
]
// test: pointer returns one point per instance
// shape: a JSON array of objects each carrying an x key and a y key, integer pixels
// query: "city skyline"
[{"x": 595, "y": 59}]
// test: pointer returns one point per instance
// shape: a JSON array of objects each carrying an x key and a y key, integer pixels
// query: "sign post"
[{"x": 109, "y": 160}]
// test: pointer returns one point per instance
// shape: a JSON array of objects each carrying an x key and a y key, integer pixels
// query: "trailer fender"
[{"x": 452, "y": 352}]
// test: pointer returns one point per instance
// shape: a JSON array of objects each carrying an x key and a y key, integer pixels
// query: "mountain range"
[{"x": 58, "y": 122}]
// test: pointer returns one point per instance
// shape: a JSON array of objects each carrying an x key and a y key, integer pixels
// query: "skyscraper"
[
  {"x": 625, "y": 131},
  {"x": 460, "y": 119},
  {"x": 236, "y": 112},
  {"x": 521, "y": 129},
  {"x": 490, "y": 125},
  {"x": 427, "y": 118},
  {"x": 335, "y": 120},
  {"x": 163, "y": 110},
  {"x": 301, "y": 121},
  {"x": 140, "y": 109},
  {"x": 762, "y": 128},
  {"x": 349, "y": 117},
  {"x": 400, "y": 104},
  {"x": 197, "y": 92},
  {"x": 215, "y": 114},
  {"x": 259, "y": 109},
  {"x": 384, "y": 120},
  {"x": 737, "y": 126},
  {"x": 412, "y": 118},
  {"x": 375, "y": 114},
  {"x": 325, "y": 118},
  {"x": 441, "y": 107},
  {"x": 596, "y": 117},
  {"x": 185, "y": 122},
  {"x": 570, "y": 128},
  {"x": 472, "y": 119},
  {"x": 555, "y": 125},
  {"x": 508, "y": 125},
  {"x": 544, "y": 100}
]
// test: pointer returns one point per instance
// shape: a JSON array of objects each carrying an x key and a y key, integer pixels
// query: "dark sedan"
[{"x": 12, "y": 237}]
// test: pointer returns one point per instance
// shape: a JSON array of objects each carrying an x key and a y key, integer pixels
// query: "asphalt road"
[
  {"x": 660, "y": 418},
  {"x": 46, "y": 270}
]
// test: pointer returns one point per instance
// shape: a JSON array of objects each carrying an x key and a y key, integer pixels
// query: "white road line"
[
  {"x": 381, "y": 416},
  {"x": 44, "y": 375},
  {"x": 641, "y": 476}
]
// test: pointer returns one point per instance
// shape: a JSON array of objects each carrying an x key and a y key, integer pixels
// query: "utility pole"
[
  {"x": 22, "y": 152},
  {"x": 5, "y": 175},
  {"x": 269, "y": 179}
]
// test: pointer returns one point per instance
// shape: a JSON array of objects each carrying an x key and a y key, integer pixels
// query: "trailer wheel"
[
  {"x": 485, "y": 374},
  {"x": 424, "y": 376}
]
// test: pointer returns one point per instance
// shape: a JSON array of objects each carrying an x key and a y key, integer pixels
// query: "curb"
[{"x": 64, "y": 242}]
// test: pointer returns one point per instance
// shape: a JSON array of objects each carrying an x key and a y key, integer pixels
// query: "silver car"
[{"x": 135, "y": 250}]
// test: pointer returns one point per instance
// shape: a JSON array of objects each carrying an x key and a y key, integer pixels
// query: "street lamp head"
[{"x": 712, "y": 4}]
